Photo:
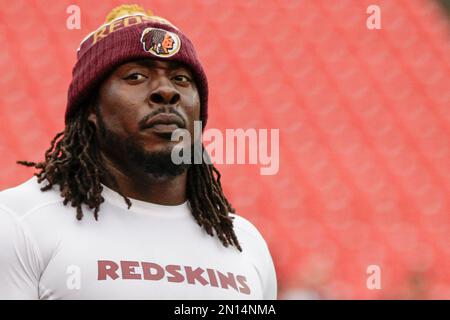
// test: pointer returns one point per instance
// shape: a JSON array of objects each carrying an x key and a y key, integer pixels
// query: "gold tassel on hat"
[
  {"x": 130, "y": 9},
  {"x": 126, "y": 9}
]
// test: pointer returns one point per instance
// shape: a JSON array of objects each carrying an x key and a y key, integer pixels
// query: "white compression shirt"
[{"x": 147, "y": 252}]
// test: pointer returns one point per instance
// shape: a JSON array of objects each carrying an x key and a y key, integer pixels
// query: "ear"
[{"x": 92, "y": 114}]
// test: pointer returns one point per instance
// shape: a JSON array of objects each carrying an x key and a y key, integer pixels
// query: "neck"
[{"x": 146, "y": 187}]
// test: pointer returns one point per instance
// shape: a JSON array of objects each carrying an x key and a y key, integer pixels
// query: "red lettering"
[
  {"x": 227, "y": 280},
  {"x": 128, "y": 269},
  {"x": 107, "y": 268},
  {"x": 174, "y": 271},
  {"x": 148, "y": 275},
  {"x": 212, "y": 278},
  {"x": 192, "y": 275},
  {"x": 242, "y": 281},
  {"x": 156, "y": 272}
]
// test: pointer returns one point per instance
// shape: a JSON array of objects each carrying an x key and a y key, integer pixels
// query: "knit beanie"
[{"x": 130, "y": 33}]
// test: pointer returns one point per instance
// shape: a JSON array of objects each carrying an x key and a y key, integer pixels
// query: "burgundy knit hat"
[{"x": 130, "y": 33}]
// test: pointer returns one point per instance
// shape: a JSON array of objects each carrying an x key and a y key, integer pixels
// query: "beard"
[{"x": 158, "y": 164}]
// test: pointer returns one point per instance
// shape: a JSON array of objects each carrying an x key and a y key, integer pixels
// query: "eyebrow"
[{"x": 151, "y": 64}]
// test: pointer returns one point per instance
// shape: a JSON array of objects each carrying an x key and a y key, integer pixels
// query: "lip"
[{"x": 164, "y": 122}]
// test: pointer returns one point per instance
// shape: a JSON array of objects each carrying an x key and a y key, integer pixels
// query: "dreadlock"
[{"x": 73, "y": 162}]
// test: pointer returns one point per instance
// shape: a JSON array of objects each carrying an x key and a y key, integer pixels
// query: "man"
[{"x": 145, "y": 228}]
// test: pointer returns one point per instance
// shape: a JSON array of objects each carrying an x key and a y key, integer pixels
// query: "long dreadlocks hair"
[{"x": 73, "y": 162}]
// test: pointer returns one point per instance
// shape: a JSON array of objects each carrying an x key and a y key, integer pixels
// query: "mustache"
[{"x": 144, "y": 120}]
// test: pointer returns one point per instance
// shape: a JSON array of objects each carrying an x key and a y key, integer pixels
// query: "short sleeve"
[
  {"x": 255, "y": 247},
  {"x": 19, "y": 259}
]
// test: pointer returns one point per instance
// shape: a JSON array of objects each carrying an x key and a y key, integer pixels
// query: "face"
[
  {"x": 167, "y": 43},
  {"x": 139, "y": 106}
]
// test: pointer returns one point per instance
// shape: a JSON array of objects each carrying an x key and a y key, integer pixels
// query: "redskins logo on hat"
[{"x": 160, "y": 42}]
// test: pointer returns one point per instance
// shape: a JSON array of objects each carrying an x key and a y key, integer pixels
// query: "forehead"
[{"x": 153, "y": 64}]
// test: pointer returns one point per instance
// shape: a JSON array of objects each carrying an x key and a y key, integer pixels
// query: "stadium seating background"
[{"x": 364, "y": 119}]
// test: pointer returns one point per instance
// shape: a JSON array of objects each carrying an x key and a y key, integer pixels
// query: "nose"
[{"x": 165, "y": 93}]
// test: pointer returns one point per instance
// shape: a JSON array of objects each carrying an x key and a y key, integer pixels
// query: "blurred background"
[{"x": 364, "y": 119}]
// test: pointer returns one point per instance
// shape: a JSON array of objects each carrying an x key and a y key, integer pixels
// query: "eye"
[
  {"x": 182, "y": 78},
  {"x": 135, "y": 76}
]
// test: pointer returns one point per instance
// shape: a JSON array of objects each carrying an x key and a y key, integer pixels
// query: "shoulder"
[
  {"x": 249, "y": 236},
  {"x": 245, "y": 228},
  {"x": 21, "y": 263},
  {"x": 35, "y": 222},
  {"x": 12, "y": 234},
  {"x": 16, "y": 240},
  {"x": 8, "y": 224},
  {"x": 27, "y": 196},
  {"x": 255, "y": 248}
]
